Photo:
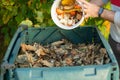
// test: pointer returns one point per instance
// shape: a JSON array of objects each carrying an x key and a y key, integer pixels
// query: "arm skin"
[
  {"x": 97, "y": 2},
  {"x": 92, "y": 8},
  {"x": 108, "y": 15}
]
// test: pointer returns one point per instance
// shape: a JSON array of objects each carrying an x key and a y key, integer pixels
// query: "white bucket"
[{"x": 56, "y": 20}]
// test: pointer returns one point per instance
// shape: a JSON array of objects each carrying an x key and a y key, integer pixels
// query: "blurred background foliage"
[{"x": 34, "y": 13}]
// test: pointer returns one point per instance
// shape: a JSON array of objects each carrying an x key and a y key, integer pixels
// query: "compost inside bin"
[{"x": 61, "y": 53}]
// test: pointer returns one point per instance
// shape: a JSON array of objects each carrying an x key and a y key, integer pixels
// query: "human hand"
[{"x": 91, "y": 10}]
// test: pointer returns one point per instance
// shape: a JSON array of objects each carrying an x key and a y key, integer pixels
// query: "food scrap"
[{"x": 69, "y": 12}]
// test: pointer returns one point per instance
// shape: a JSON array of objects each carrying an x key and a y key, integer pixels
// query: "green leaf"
[
  {"x": 23, "y": 9},
  {"x": 51, "y": 23},
  {"x": 27, "y": 22},
  {"x": 39, "y": 16},
  {"x": 4, "y": 30},
  {"x": 6, "y": 17},
  {"x": 100, "y": 22},
  {"x": 7, "y": 39},
  {"x": 19, "y": 18}
]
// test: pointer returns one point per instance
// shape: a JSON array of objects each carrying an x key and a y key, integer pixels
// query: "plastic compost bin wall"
[{"x": 50, "y": 34}]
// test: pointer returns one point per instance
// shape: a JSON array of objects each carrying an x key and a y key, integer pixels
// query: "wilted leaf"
[
  {"x": 27, "y": 47},
  {"x": 57, "y": 54},
  {"x": 46, "y": 63},
  {"x": 40, "y": 51}
]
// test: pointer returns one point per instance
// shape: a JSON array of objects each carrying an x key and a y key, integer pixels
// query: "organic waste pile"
[
  {"x": 61, "y": 53},
  {"x": 69, "y": 12}
]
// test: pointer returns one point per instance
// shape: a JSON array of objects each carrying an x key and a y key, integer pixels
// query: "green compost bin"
[{"x": 47, "y": 35}]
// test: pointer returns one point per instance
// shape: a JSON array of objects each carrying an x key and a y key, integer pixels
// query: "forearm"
[
  {"x": 97, "y": 2},
  {"x": 108, "y": 15}
]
